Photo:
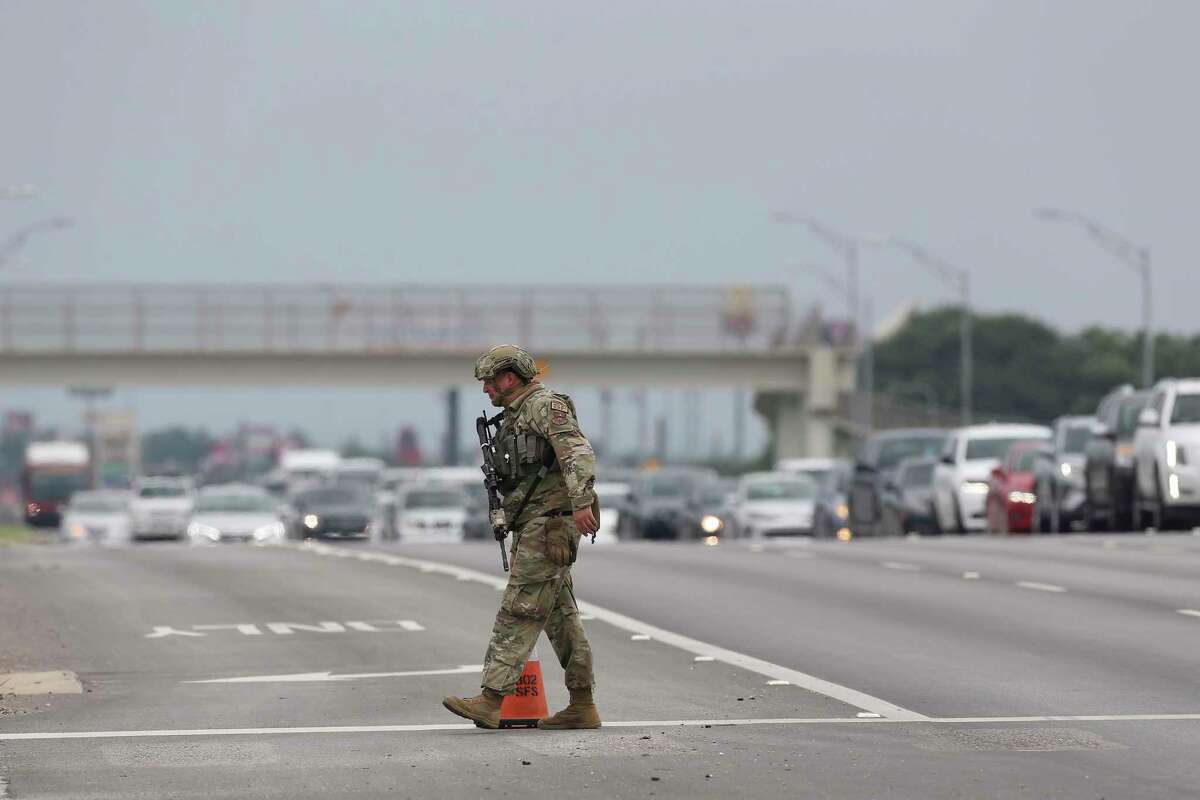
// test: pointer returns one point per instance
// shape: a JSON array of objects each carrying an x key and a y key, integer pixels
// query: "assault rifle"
[{"x": 491, "y": 480}]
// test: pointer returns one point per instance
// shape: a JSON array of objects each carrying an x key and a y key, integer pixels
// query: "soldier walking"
[{"x": 563, "y": 507}]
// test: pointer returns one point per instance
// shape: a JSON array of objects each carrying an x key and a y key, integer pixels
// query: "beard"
[{"x": 498, "y": 400}]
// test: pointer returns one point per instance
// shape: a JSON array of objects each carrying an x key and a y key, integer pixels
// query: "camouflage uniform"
[{"x": 539, "y": 595}]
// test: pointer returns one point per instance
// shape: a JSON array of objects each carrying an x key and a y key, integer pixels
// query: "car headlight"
[
  {"x": 975, "y": 487},
  {"x": 1022, "y": 497},
  {"x": 1176, "y": 455},
  {"x": 268, "y": 533},
  {"x": 198, "y": 530},
  {"x": 843, "y": 511},
  {"x": 1065, "y": 469},
  {"x": 76, "y": 531},
  {"x": 311, "y": 521},
  {"x": 711, "y": 523}
]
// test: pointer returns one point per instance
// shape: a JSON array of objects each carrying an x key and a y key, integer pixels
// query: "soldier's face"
[{"x": 500, "y": 387}]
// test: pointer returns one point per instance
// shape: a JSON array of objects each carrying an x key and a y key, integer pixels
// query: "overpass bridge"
[{"x": 208, "y": 335}]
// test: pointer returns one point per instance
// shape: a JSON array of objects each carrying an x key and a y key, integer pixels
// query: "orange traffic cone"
[{"x": 525, "y": 706}]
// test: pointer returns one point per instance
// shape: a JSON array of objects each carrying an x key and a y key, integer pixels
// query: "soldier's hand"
[{"x": 586, "y": 521}]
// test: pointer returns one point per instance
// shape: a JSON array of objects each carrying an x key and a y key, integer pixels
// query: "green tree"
[{"x": 177, "y": 448}]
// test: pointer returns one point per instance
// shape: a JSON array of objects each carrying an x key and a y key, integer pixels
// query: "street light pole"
[
  {"x": 960, "y": 279},
  {"x": 1135, "y": 257},
  {"x": 848, "y": 247}
]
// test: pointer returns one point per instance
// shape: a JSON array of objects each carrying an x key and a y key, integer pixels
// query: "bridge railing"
[{"x": 355, "y": 319}]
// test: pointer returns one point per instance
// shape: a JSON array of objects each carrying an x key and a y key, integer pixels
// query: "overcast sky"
[{"x": 549, "y": 142}]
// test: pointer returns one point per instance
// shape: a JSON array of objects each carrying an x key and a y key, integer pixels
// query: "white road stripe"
[
  {"x": 640, "y": 637},
  {"x": 900, "y": 566},
  {"x": 703, "y": 658},
  {"x": 1040, "y": 587},
  {"x": 971, "y": 576},
  {"x": 1191, "y": 612},
  {"x": 306, "y": 677},
  {"x": 853, "y": 697},
  {"x": 654, "y": 723}
]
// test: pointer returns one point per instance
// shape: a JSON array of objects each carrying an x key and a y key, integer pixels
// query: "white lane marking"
[
  {"x": 1109, "y": 544},
  {"x": 866, "y": 715},
  {"x": 779, "y": 683},
  {"x": 970, "y": 576},
  {"x": 288, "y": 628},
  {"x": 853, "y": 697},
  {"x": 1040, "y": 587},
  {"x": 1191, "y": 612},
  {"x": 640, "y": 637},
  {"x": 586, "y": 617},
  {"x": 653, "y": 723},
  {"x": 306, "y": 677},
  {"x": 703, "y": 658},
  {"x": 245, "y": 629},
  {"x": 365, "y": 627},
  {"x": 900, "y": 566},
  {"x": 166, "y": 630},
  {"x": 410, "y": 624}
]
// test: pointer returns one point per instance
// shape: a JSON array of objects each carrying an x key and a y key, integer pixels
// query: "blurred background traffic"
[{"x": 814, "y": 270}]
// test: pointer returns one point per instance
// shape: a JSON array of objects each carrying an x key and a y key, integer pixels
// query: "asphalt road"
[{"x": 957, "y": 667}]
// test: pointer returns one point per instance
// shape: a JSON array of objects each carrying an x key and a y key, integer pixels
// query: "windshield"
[
  {"x": 1026, "y": 461},
  {"x": 97, "y": 503},
  {"x": 331, "y": 497},
  {"x": 235, "y": 502},
  {"x": 435, "y": 498},
  {"x": 992, "y": 448},
  {"x": 162, "y": 491},
  {"x": 1186, "y": 410},
  {"x": 665, "y": 489},
  {"x": 917, "y": 475},
  {"x": 56, "y": 487},
  {"x": 715, "y": 495},
  {"x": 1076, "y": 439},
  {"x": 1127, "y": 416},
  {"x": 780, "y": 490},
  {"x": 893, "y": 451}
]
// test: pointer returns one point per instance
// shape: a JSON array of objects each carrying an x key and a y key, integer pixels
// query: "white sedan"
[
  {"x": 774, "y": 504},
  {"x": 431, "y": 513},
  {"x": 100, "y": 517},
  {"x": 235, "y": 514}
]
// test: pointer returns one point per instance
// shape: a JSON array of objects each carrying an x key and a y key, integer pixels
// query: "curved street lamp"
[
  {"x": 959, "y": 279},
  {"x": 1136, "y": 257}
]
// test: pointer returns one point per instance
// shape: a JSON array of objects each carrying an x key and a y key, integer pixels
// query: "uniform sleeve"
[{"x": 554, "y": 420}]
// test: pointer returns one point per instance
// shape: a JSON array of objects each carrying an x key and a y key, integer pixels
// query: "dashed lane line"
[
  {"x": 853, "y": 697},
  {"x": 1191, "y": 612},
  {"x": 900, "y": 566},
  {"x": 1040, "y": 587},
  {"x": 657, "y": 723}
]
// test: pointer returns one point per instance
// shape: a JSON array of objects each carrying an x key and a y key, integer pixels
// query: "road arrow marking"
[{"x": 308, "y": 677}]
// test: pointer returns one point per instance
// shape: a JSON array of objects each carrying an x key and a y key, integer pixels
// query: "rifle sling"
[{"x": 547, "y": 463}]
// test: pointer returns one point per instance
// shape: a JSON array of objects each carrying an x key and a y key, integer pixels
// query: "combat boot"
[
  {"x": 483, "y": 709},
  {"x": 581, "y": 713}
]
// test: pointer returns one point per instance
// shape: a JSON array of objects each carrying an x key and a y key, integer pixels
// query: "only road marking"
[
  {"x": 1040, "y": 587},
  {"x": 307, "y": 677}
]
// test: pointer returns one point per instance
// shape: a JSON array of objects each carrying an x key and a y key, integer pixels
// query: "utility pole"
[
  {"x": 959, "y": 279},
  {"x": 1135, "y": 257},
  {"x": 450, "y": 445}
]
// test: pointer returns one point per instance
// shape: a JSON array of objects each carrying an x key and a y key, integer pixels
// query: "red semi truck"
[{"x": 53, "y": 471}]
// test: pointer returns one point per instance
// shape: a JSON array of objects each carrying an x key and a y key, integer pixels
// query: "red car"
[{"x": 1010, "y": 497}]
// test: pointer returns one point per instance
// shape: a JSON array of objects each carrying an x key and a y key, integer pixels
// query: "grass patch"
[{"x": 15, "y": 534}]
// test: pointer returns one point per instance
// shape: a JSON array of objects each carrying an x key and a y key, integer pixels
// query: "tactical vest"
[{"x": 521, "y": 448}]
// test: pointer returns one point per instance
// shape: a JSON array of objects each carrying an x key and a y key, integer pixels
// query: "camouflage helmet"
[{"x": 505, "y": 357}]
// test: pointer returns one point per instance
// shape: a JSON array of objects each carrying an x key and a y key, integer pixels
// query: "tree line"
[{"x": 1024, "y": 368}]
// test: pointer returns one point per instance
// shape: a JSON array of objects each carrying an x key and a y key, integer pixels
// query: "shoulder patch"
[{"x": 559, "y": 405}]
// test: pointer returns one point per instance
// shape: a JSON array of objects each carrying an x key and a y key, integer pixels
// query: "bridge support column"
[{"x": 801, "y": 424}]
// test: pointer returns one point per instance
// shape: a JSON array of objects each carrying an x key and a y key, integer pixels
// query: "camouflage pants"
[{"x": 539, "y": 596}]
